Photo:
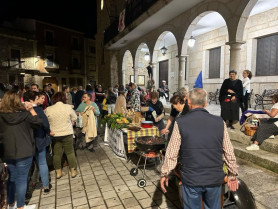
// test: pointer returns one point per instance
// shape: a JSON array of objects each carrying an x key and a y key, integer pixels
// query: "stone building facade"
[
  {"x": 42, "y": 53},
  {"x": 171, "y": 23}
]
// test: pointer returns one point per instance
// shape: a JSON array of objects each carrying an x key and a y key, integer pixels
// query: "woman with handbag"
[
  {"x": 268, "y": 127},
  {"x": 16, "y": 134},
  {"x": 230, "y": 98},
  {"x": 42, "y": 139}
]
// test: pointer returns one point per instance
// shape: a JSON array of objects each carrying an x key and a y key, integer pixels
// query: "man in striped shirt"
[{"x": 200, "y": 140}]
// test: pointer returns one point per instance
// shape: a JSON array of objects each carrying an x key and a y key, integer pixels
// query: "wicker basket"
[{"x": 251, "y": 125}]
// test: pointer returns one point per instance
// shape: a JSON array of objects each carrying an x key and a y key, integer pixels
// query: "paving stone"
[
  {"x": 136, "y": 189},
  {"x": 130, "y": 202},
  {"x": 99, "y": 172},
  {"x": 63, "y": 201},
  {"x": 141, "y": 195},
  {"x": 121, "y": 188},
  {"x": 49, "y": 206},
  {"x": 106, "y": 188},
  {"x": 91, "y": 188},
  {"x": 86, "y": 206},
  {"x": 103, "y": 182},
  {"x": 118, "y": 182},
  {"x": 78, "y": 194},
  {"x": 63, "y": 187},
  {"x": 117, "y": 207},
  {"x": 93, "y": 194},
  {"x": 75, "y": 188},
  {"x": 109, "y": 194},
  {"x": 125, "y": 195},
  {"x": 113, "y": 202},
  {"x": 148, "y": 202},
  {"x": 47, "y": 200},
  {"x": 96, "y": 202},
  {"x": 62, "y": 181},
  {"x": 65, "y": 193},
  {"x": 115, "y": 177},
  {"x": 79, "y": 201},
  {"x": 67, "y": 206}
]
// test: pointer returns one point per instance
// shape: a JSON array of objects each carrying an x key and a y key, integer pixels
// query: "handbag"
[
  {"x": 4, "y": 173},
  {"x": 79, "y": 121}
]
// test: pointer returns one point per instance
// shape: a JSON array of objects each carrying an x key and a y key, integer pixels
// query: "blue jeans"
[
  {"x": 192, "y": 197},
  {"x": 17, "y": 182},
  {"x": 41, "y": 162}
]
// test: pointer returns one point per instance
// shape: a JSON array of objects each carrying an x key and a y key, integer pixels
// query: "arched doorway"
[
  {"x": 127, "y": 68},
  {"x": 164, "y": 60}
]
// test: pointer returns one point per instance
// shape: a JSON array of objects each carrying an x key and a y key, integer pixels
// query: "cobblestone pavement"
[{"x": 104, "y": 181}]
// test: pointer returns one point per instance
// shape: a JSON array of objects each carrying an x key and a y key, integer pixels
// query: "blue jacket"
[{"x": 41, "y": 135}]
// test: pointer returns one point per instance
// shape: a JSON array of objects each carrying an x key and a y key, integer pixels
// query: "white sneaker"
[
  {"x": 12, "y": 207},
  {"x": 272, "y": 137},
  {"x": 253, "y": 147},
  {"x": 30, "y": 206}
]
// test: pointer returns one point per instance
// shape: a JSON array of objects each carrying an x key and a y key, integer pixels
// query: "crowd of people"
[{"x": 39, "y": 123}]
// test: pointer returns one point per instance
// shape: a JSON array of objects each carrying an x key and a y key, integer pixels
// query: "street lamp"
[
  {"x": 147, "y": 56},
  {"x": 163, "y": 49},
  {"x": 191, "y": 42}
]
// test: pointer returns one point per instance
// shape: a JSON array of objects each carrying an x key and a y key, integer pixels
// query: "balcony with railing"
[{"x": 134, "y": 10}]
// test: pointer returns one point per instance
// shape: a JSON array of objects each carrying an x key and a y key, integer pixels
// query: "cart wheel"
[
  {"x": 141, "y": 183},
  {"x": 134, "y": 171}
]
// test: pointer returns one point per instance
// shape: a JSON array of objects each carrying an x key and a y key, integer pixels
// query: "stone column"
[
  {"x": 235, "y": 48},
  {"x": 181, "y": 71},
  {"x": 135, "y": 75},
  {"x": 154, "y": 77}
]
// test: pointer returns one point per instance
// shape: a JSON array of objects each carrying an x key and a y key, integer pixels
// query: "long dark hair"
[{"x": 11, "y": 103}]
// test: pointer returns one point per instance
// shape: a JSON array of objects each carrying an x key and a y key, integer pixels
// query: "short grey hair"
[{"x": 198, "y": 96}]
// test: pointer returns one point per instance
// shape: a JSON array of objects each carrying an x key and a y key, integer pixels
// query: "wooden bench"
[
  {"x": 214, "y": 96},
  {"x": 265, "y": 97}
]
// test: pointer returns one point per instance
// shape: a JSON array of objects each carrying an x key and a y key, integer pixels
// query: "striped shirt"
[{"x": 173, "y": 148}]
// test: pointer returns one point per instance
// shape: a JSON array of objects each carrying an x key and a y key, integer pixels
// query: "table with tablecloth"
[{"x": 115, "y": 138}]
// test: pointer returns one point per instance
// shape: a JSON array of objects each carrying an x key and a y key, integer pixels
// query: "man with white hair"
[
  {"x": 164, "y": 90},
  {"x": 200, "y": 139}
]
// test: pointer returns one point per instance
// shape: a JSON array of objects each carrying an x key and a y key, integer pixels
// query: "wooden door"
[{"x": 163, "y": 72}]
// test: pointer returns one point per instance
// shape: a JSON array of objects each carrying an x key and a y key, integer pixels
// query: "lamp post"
[
  {"x": 147, "y": 56},
  {"x": 163, "y": 49},
  {"x": 191, "y": 42}
]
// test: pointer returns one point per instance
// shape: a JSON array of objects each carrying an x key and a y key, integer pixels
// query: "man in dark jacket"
[
  {"x": 78, "y": 96},
  {"x": 200, "y": 139}
]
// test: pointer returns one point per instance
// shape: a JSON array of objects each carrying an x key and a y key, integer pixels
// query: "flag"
[
  {"x": 121, "y": 25},
  {"x": 199, "y": 81}
]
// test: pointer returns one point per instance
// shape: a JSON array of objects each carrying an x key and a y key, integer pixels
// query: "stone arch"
[
  {"x": 127, "y": 67},
  {"x": 114, "y": 70},
  {"x": 243, "y": 19},
  {"x": 197, "y": 13},
  {"x": 171, "y": 54},
  {"x": 191, "y": 28},
  {"x": 140, "y": 64}
]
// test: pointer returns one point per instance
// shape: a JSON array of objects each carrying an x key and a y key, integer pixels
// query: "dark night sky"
[{"x": 77, "y": 15}]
